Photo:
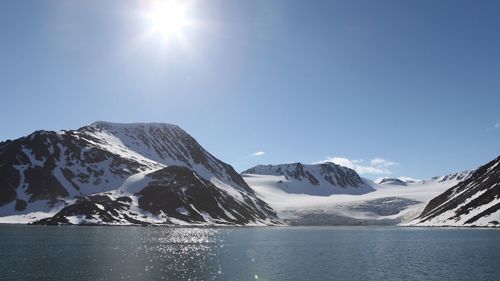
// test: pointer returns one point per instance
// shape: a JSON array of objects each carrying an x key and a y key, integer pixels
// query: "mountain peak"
[
  {"x": 135, "y": 125},
  {"x": 316, "y": 179},
  {"x": 392, "y": 181},
  {"x": 461, "y": 176}
]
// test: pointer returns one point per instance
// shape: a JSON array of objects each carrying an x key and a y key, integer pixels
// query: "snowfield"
[{"x": 387, "y": 204}]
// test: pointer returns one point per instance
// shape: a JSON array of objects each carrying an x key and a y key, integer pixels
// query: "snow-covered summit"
[
  {"x": 113, "y": 126},
  {"x": 315, "y": 179},
  {"x": 454, "y": 177},
  {"x": 461, "y": 176},
  {"x": 158, "y": 145},
  {"x": 392, "y": 181}
]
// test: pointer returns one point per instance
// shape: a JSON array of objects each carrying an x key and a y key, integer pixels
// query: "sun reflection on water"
[{"x": 183, "y": 253}]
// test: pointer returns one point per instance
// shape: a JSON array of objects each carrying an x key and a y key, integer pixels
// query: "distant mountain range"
[
  {"x": 393, "y": 181},
  {"x": 155, "y": 173},
  {"x": 456, "y": 176},
  {"x": 450, "y": 177},
  {"x": 109, "y": 173}
]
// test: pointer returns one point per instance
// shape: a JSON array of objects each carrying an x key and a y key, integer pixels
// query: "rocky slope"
[
  {"x": 120, "y": 174},
  {"x": 475, "y": 201}
]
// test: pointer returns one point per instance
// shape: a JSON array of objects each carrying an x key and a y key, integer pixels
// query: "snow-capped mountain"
[
  {"x": 315, "y": 179},
  {"x": 475, "y": 201},
  {"x": 453, "y": 177},
  {"x": 108, "y": 172},
  {"x": 392, "y": 181}
]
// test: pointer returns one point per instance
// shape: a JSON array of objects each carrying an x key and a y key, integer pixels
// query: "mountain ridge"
[{"x": 322, "y": 179}]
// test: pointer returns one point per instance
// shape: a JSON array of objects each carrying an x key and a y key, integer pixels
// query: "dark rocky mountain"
[
  {"x": 87, "y": 175},
  {"x": 474, "y": 201},
  {"x": 315, "y": 179}
]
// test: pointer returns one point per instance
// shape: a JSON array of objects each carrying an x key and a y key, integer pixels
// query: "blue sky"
[{"x": 392, "y": 88}]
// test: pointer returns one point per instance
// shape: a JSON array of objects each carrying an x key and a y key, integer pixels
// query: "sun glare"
[{"x": 168, "y": 18}]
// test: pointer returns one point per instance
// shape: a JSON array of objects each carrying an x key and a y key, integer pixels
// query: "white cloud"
[
  {"x": 497, "y": 125},
  {"x": 342, "y": 161},
  {"x": 258, "y": 153},
  {"x": 382, "y": 162},
  {"x": 376, "y": 166},
  {"x": 403, "y": 178}
]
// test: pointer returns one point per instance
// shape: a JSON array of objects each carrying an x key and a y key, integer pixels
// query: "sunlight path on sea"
[{"x": 248, "y": 253}]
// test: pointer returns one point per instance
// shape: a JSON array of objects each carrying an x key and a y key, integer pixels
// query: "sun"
[{"x": 168, "y": 18}]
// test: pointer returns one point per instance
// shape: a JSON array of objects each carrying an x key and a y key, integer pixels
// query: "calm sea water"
[{"x": 281, "y": 253}]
